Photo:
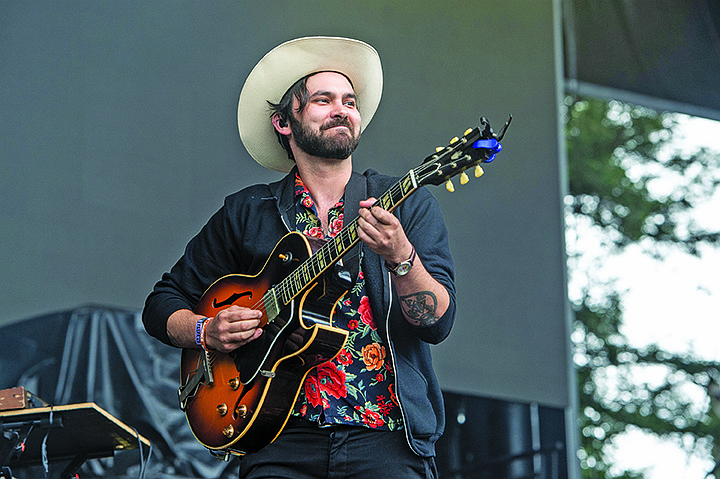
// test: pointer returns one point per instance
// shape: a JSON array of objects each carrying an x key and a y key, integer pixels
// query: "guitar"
[{"x": 239, "y": 402}]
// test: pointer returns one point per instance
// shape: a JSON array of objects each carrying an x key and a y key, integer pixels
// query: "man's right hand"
[
  {"x": 231, "y": 328},
  {"x": 227, "y": 331}
]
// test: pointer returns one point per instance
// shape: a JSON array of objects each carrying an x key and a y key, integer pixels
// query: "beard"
[{"x": 318, "y": 144}]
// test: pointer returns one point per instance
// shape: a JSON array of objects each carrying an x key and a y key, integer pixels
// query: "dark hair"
[{"x": 284, "y": 109}]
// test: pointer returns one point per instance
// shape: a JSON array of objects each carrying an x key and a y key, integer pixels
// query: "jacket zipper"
[{"x": 406, "y": 424}]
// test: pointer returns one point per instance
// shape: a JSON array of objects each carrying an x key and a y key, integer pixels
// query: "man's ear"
[{"x": 281, "y": 126}]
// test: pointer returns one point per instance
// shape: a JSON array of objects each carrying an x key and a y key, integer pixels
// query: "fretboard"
[{"x": 311, "y": 269}]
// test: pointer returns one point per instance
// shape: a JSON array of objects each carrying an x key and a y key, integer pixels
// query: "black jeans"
[{"x": 306, "y": 451}]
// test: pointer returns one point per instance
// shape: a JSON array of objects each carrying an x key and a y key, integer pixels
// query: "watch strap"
[{"x": 409, "y": 262}]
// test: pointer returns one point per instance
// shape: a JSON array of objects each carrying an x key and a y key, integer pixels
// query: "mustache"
[{"x": 338, "y": 122}]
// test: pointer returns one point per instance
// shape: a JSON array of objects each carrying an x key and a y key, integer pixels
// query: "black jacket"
[{"x": 238, "y": 240}]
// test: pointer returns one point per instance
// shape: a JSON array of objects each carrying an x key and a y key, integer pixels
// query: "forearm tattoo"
[{"x": 420, "y": 308}]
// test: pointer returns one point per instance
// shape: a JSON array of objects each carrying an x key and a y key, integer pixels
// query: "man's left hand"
[{"x": 383, "y": 233}]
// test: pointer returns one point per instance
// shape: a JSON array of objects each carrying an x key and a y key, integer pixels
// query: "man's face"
[{"x": 329, "y": 125}]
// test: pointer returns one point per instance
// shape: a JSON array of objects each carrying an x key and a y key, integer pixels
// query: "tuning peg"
[
  {"x": 478, "y": 171},
  {"x": 438, "y": 149},
  {"x": 464, "y": 178},
  {"x": 467, "y": 132},
  {"x": 450, "y": 187},
  {"x": 454, "y": 140}
]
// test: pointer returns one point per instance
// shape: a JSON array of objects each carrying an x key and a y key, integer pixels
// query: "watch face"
[{"x": 403, "y": 268}]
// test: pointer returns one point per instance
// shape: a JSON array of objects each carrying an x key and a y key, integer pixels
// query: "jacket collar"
[{"x": 284, "y": 192}]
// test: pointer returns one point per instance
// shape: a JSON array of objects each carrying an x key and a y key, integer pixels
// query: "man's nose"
[{"x": 340, "y": 109}]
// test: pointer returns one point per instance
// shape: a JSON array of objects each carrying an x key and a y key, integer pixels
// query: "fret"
[
  {"x": 338, "y": 244},
  {"x": 317, "y": 268},
  {"x": 352, "y": 231},
  {"x": 346, "y": 241},
  {"x": 287, "y": 292},
  {"x": 407, "y": 185},
  {"x": 287, "y": 295},
  {"x": 330, "y": 258},
  {"x": 298, "y": 282}
]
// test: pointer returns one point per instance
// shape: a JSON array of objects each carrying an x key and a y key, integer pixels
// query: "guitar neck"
[
  {"x": 476, "y": 146},
  {"x": 331, "y": 252}
]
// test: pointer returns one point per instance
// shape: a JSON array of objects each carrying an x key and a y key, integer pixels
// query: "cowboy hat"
[{"x": 287, "y": 63}]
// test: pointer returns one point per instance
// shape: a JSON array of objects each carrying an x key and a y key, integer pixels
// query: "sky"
[{"x": 674, "y": 303}]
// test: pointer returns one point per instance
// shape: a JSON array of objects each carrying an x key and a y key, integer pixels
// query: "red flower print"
[
  {"x": 315, "y": 232},
  {"x": 371, "y": 418},
  {"x": 307, "y": 201},
  {"x": 393, "y": 397},
  {"x": 353, "y": 324},
  {"x": 331, "y": 380},
  {"x": 336, "y": 225},
  {"x": 380, "y": 377},
  {"x": 366, "y": 313},
  {"x": 385, "y": 406},
  {"x": 344, "y": 357},
  {"x": 312, "y": 392},
  {"x": 299, "y": 183}
]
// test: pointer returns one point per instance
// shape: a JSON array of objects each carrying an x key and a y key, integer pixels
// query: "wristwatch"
[{"x": 401, "y": 269}]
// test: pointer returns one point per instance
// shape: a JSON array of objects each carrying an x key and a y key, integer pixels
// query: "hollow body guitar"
[{"x": 239, "y": 402}]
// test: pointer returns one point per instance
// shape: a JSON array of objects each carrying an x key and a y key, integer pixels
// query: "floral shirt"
[{"x": 357, "y": 386}]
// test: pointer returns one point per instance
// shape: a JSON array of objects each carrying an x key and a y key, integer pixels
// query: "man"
[{"x": 376, "y": 409}]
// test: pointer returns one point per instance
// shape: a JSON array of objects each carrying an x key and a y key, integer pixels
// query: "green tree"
[{"x": 618, "y": 154}]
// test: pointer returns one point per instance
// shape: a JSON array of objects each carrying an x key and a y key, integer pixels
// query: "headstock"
[{"x": 477, "y": 145}]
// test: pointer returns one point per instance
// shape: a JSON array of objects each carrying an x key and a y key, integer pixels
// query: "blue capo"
[{"x": 491, "y": 141}]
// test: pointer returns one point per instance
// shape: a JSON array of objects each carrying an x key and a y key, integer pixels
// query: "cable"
[
  {"x": 143, "y": 460},
  {"x": 45, "y": 461}
]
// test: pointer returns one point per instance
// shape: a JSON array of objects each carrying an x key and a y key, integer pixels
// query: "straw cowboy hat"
[{"x": 286, "y": 64}]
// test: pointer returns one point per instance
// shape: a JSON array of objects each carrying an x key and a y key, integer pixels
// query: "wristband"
[{"x": 200, "y": 332}]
